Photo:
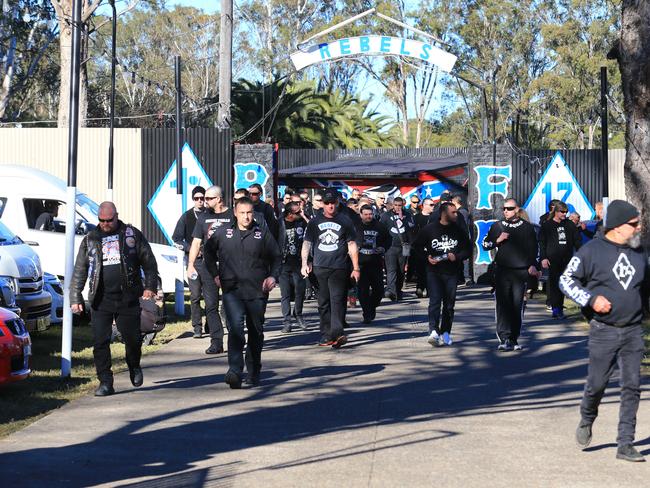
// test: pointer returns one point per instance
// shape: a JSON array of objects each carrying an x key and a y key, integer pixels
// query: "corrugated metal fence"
[{"x": 212, "y": 147}]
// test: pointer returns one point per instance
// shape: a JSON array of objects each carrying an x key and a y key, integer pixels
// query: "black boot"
[
  {"x": 104, "y": 389},
  {"x": 216, "y": 347},
  {"x": 136, "y": 376}
]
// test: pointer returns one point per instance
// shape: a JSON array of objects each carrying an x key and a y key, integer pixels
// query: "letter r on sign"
[{"x": 491, "y": 180}]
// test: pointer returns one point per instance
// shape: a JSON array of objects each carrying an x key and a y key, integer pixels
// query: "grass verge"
[{"x": 26, "y": 401}]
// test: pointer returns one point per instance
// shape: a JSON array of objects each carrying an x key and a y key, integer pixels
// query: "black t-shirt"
[
  {"x": 372, "y": 236},
  {"x": 111, "y": 266},
  {"x": 330, "y": 238},
  {"x": 208, "y": 222},
  {"x": 294, "y": 235}
]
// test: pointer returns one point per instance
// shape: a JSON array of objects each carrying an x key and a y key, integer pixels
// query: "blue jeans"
[
  {"x": 250, "y": 312},
  {"x": 609, "y": 346},
  {"x": 442, "y": 291}
]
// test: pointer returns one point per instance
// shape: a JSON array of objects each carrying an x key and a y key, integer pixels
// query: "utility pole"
[
  {"x": 179, "y": 291},
  {"x": 225, "y": 65},
  {"x": 111, "y": 116},
  {"x": 604, "y": 131},
  {"x": 70, "y": 224}
]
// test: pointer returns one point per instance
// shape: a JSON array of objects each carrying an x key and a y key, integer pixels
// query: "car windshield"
[
  {"x": 87, "y": 204},
  {"x": 7, "y": 237}
]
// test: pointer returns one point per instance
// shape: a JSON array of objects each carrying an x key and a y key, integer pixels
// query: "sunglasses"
[
  {"x": 330, "y": 203},
  {"x": 634, "y": 224},
  {"x": 254, "y": 193},
  {"x": 562, "y": 211},
  {"x": 106, "y": 221},
  {"x": 208, "y": 199},
  {"x": 196, "y": 199},
  {"x": 509, "y": 209}
]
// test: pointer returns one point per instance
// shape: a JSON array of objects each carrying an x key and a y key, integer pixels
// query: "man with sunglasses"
[
  {"x": 608, "y": 278},
  {"x": 255, "y": 194},
  {"x": 292, "y": 233},
  {"x": 516, "y": 259},
  {"x": 417, "y": 260},
  {"x": 558, "y": 239},
  {"x": 199, "y": 278},
  {"x": 332, "y": 238},
  {"x": 113, "y": 257}
]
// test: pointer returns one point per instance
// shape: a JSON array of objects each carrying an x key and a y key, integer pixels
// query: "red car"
[{"x": 15, "y": 348}]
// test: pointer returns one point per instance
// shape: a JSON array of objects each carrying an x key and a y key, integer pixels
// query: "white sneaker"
[
  {"x": 446, "y": 339},
  {"x": 434, "y": 338}
]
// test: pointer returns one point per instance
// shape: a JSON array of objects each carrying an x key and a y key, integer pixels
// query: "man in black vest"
[
  {"x": 401, "y": 226},
  {"x": 255, "y": 193},
  {"x": 113, "y": 258}
]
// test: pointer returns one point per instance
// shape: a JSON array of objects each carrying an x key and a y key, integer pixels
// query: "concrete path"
[{"x": 386, "y": 410}]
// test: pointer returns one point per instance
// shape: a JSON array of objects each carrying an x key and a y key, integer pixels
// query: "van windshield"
[
  {"x": 7, "y": 238},
  {"x": 87, "y": 204}
]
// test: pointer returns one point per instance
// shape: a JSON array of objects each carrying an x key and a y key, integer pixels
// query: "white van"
[
  {"x": 24, "y": 194},
  {"x": 21, "y": 281}
]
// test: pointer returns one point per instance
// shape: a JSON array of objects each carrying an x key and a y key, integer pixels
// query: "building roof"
[{"x": 376, "y": 167}]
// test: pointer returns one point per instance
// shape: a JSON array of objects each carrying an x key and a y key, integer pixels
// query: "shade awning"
[{"x": 376, "y": 167}]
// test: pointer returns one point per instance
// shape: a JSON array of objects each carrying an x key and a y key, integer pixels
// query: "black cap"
[
  {"x": 330, "y": 196},
  {"x": 197, "y": 189},
  {"x": 618, "y": 213}
]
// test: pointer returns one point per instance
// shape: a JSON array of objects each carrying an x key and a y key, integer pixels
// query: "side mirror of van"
[{"x": 31, "y": 243}]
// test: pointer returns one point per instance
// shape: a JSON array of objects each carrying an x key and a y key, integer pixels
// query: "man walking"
[
  {"x": 247, "y": 270},
  {"x": 400, "y": 225},
  {"x": 292, "y": 233},
  {"x": 558, "y": 239},
  {"x": 199, "y": 279},
  {"x": 255, "y": 192},
  {"x": 417, "y": 260},
  {"x": 331, "y": 236},
  {"x": 182, "y": 237},
  {"x": 113, "y": 257},
  {"x": 516, "y": 260},
  {"x": 606, "y": 277},
  {"x": 445, "y": 245},
  {"x": 374, "y": 242}
]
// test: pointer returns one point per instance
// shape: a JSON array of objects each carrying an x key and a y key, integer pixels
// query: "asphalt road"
[{"x": 385, "y": 410}]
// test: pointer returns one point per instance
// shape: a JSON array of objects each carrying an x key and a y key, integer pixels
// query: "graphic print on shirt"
[
  {"x": 111, "y": 250},
  {"x": 444, "y": 244},
  {"x": 561, "y": 236},
  {"x": 328, "y": 238},
  {"x": 369, "y": 242},
  {"x": 574, "y": 292},
  {"x": 398, "y": 228},
  {"x": 216, "y": 223},
  {"x": 624, "y": 271},
  {"x": 293, "y": 235}
]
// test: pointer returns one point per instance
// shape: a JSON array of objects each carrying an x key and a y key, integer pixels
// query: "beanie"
[
  {"x": 618, "y": 213},
  {"x": 198, "y": 189}
]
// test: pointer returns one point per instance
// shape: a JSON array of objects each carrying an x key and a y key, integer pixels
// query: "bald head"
[{"x": 107, "y": 216}]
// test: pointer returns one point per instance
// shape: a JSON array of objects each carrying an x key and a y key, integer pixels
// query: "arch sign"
[{"x": 374, "y": 45}]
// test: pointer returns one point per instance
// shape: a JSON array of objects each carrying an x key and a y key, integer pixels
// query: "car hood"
[{"x": 20, "y": 261}]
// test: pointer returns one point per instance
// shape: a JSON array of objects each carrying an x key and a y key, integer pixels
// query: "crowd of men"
[{"x": 237, "y": 252}]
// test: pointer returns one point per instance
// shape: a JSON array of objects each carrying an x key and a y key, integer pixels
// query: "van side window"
[
  {"x": 42, "y": 214},
  {"x": 3, "y": 204}
]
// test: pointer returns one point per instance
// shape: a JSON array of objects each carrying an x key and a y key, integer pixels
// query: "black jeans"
[
  {"x": 371, "y": 288},
  {"x": 555, "y": 296},
  {"x": 291, "y": 279},
  {"x": 251, "y": 312},
  {"x": 127, "y": 320},
  {"x": 608, "y": 346},
  {"x": 395, "y": 262},
  {"x": 332, "y": 301},
  {"x": 510, "y": 287},
  {"x": 442, "y": 291},
  {"x": 205, "y": 286}
]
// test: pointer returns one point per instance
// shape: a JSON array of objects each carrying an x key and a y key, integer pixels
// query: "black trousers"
[
  {"x": 418, "y": 262},
  {"x": 510, "y": 289},
  {"x": 609, "y": 346},
  {"x": 395, "y": 262},
  {"x": 205, "y": 286},
  {"x": 239, "y": 312},
  {"x": 332, "y": 301},
  {"x": 371, "y": 288},
  {"x": 442, "y": 291},
  {"x": 127, "y": 320},
  {"x": 291, "y": 280},
  {"x": 555, "y": 270}
]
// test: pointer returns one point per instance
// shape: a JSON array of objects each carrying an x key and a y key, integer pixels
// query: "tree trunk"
[
  {"x": 65, "y": 42},
  {"x": 633, "y": 53}
]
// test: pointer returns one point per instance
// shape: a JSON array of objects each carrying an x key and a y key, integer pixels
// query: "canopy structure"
[{"x": 377, "y": 167}]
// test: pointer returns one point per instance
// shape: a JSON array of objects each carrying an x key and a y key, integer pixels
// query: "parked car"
[
  {"x": 53, "y": 286},
  {"x": 21, "y": 281},
  {"x": 26, "y": 193},
  {"x": 15, "y": 348}
]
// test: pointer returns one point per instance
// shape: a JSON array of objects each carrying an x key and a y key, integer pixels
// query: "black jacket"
[
  {"x": 269, "y": 216},
  {"x": 182, "y": 235},
  {"x": 558, "y": 241},
  {"x": 401, "y": 232},
  {"x": 615, "y": 271},
  {"x": 520, "y": 250},
  {"x": 374, "y": 240},
  {"x": 135, "y": 259},
  {"x": 243, "y": 259}
]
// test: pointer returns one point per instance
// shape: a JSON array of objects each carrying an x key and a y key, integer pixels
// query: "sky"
[{"x": 367, "y": 87}]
